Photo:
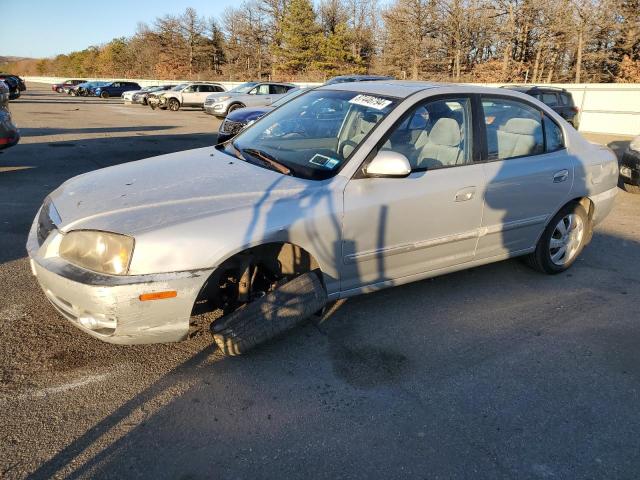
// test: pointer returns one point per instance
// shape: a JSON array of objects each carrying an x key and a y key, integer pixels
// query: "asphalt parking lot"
[{"x": 494, "y": 372}]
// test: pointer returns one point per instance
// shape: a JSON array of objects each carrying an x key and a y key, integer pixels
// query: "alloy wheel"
[{"x": 566, "y": 239}]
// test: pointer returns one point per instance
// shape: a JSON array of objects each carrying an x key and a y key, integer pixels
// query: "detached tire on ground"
[{"x": 272, "y": 315}]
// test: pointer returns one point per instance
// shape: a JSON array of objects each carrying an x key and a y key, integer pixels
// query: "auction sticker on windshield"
[
  {"x": 324, "y": 161},
  {"x": 370, "y": 101}
]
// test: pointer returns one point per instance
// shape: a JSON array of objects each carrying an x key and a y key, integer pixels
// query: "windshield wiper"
[{"x": 268, "y": 160}]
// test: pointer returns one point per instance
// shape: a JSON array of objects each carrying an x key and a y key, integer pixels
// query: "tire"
[
  {"x": 570, "y": 229},
  {"x": 234, "y": 106},
  {"x": 59, "y": 90},
  {"x": 270, "y": 316},
  {"x": 631, "y": 188},
  {"x": 104, "y": 95},
  {"x": 173, "y": 104}
]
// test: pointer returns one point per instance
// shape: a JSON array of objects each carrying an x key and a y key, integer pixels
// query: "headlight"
[
  {"x": 223, "y": 98},
  {"x": 98, "y": 251},
  {"x": 635, "y": 144}
]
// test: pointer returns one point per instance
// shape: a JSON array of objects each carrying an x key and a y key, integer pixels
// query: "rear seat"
[{"x": 519, "y": 136}]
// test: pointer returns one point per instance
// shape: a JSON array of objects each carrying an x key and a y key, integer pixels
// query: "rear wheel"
[
  {"x": 562, "y": 241},
  {"x": 174, "y": 105}
]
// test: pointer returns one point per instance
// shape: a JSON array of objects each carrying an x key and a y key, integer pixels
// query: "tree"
[{"x": 298, "y": 51}]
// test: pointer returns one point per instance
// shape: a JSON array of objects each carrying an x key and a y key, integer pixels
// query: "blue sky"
[{"x": 43, "y": 29}]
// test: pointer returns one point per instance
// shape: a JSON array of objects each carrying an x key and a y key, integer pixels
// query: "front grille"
[
  {"x": 45, "y": 223},
  {"x": 231, "y": 127}
]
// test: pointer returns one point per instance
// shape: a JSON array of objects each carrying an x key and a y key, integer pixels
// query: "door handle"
[
  {"x": 465, "y": 194},
  {"x": 560, "y": 176}
]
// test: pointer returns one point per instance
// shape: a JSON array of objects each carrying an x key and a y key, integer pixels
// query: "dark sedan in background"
[
  {"x": 358, "y": 78},
  {"x": 9, "y": 134},
  {"x": 114, "y": 89}
]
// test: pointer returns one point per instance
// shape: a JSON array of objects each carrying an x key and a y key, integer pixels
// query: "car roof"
[{"x": 403, "y": 88}]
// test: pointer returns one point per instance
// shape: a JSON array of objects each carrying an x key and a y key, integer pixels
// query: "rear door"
[
  {"x": 203, "y": 92},
  {"x": 528, "y": 171}
]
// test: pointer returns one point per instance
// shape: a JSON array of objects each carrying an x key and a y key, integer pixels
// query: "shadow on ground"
[{"x": 498, "y": 370}]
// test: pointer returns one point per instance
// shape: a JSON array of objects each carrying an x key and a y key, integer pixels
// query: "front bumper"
[
  {"x": 630, "y": 167},
  {"x": 108, "y": 307},
  {"x": 217, "y": 109}
]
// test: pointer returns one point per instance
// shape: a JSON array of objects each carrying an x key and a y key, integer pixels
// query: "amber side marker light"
[{"x": 145, "y": 297}]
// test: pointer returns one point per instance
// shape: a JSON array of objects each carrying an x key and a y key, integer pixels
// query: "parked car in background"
[
  {"x": 240, "y": 118},
  {"x": 141, "y": 96},
  {"x": 407, "y": 180},
  {"x": 13, "y": 84},
  {"x": 22, "y": 86},
  {"x": 191, "y": 94},
  {"x": 128, "y": 95},
  {"x": 66, "y": 85},
  {"x": 630, "y": 166},
  {"x": 559, "y": 99},
  {"x": 258, "y": 95},
  {"x": 115, "y": 89},
  {"x": 9, "y": 134},
  {"x": 84, "y": 89},
  {"x": 357, "y": 78}
]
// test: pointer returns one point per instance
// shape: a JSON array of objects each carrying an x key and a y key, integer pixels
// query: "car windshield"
[
  {"x": 313, "y": 135},
  {"x": 290, "y": 95},
  {"x": 244, "y": 88}
]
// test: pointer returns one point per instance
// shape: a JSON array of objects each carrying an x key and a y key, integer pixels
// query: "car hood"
[
  {"x": 139, "y": 196},
  {"x": 247, "y": 114}
]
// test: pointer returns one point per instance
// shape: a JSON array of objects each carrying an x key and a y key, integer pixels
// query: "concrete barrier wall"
[{"x": 612, "y": 108}]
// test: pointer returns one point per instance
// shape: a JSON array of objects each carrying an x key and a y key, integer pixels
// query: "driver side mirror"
[{"x": 388, "y": 164}]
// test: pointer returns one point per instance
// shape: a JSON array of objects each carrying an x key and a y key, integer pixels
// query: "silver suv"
[
  {"x": 347, "y": 189},
  {"x": 191, "y": 94},
  {"x": 250, "y": 94}
]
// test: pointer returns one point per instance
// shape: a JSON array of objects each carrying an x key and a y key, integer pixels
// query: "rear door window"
[
  {"x": 513, "y": 129},
  {"x": 278, "y": 89},
  {"x": 550, "y": 99}
]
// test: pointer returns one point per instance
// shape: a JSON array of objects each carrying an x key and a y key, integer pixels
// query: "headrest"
[
  {"x": 521, "y": 126},
  {"x": 446, "y": 131}
]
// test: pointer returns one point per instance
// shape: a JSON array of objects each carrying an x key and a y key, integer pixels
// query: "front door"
[
  {"x": 398, "y": 227},
  {"x": 529, "y": 174}
]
